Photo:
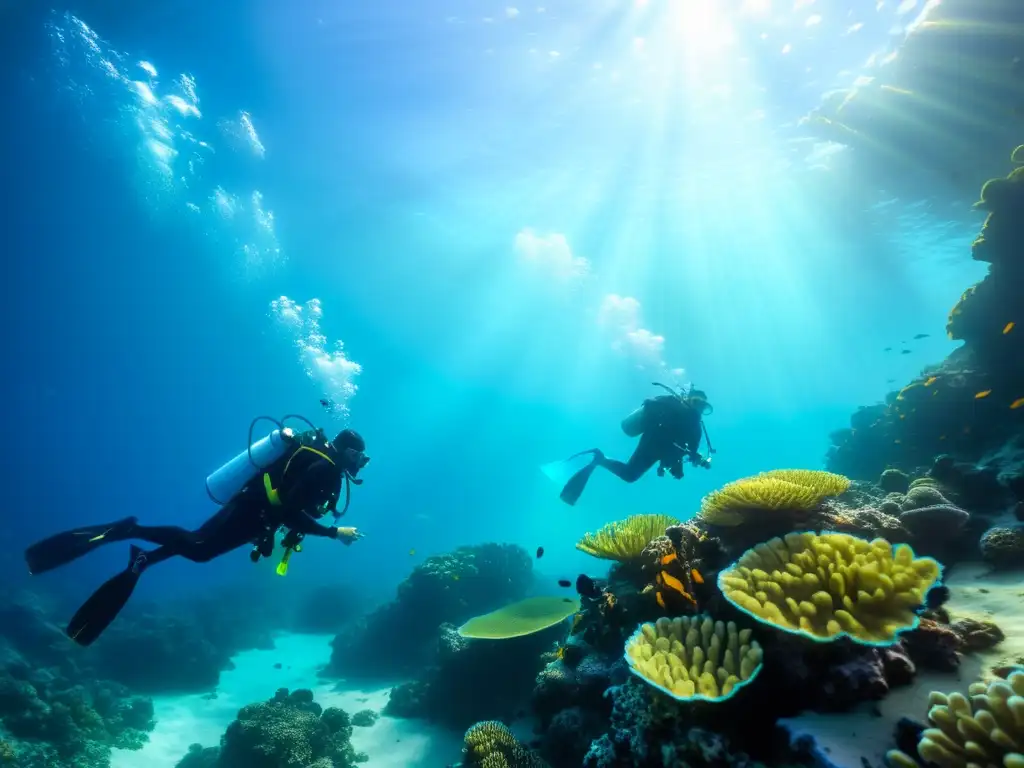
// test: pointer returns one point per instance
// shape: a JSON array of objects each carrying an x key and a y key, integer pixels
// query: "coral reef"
[
  {"x": 626, "y": 539},
  {"x": 364, "y": 718},
  {"x": 694, "y": 658},
  {"x": 1003, "y": 547},
  {"x": 289, "y": 731},
  {"x": 648, "y": 731},
  {"x": 968, "y": 408},
  {"x": 471, "y": 679},
  {"x": 491, "y": 744},
  {"x": 986, "y": 729},
  {"x": 52, "y": 712},
  {"x": 825, "y": 586},
  {"x": 400, "y": 637}
]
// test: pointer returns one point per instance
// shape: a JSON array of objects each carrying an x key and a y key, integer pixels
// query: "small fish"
[
  {"x": 887, "y": 349},
  {"x": 660, "y": 600},
  {"x": 455, "y": 577},
  {"x": 564, "y": 583},
  {"x": 1017, "y": 403},
  {"x": 983, "y": 394},
  {"x": 890, "y": 381},
  {"x": 327, "y": 404},
  {"x": 577, "y": 621},
  {"x": 921, "y": 336},
  {"x": 904, "y": 351},
  {"x": 1008, "y": 327},
  {"x": 586, "y": 587},
  {"x": 669, "y": 558},
  {"x": 540, "y": 552},
  {"x": 412, "y": 553},
  {"x": 931, "y": 380},
  {"x": 695, "y": 575},
  {"x": 560, "y": 653},
  {"x": 936, "y": 596}
]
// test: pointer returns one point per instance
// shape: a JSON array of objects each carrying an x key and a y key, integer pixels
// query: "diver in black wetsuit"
[
  {"x": 303, "y": 484},
  {"x": 670, "y": 428}
]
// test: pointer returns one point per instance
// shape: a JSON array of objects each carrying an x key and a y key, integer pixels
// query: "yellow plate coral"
[
  {"x": 986, "y": 729},
  {"x": 522, "y": 618},
  {"x": 780, "y": 490},
  {"x": 829, "y": 585},
  {"x": 625, "y": 539},
  {"x": 693, "y": 658}
]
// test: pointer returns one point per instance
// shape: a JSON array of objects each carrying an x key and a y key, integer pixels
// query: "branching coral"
[
  {"x": 694, "y": 658},
  {"x": 625, "y": 540},
  {"x": 825, "y": 586},
  {"x": 491, "y": 744},
  {"x": 984, "y": 730},
  {"x": 782, "y": 490}
]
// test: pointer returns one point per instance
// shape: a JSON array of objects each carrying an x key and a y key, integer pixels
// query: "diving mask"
[{"x": 354, "y": 460}]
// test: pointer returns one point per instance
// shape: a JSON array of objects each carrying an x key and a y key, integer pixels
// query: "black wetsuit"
[
  {"x": 672, "y": 430},
  {"x": 248, "y": 517}
]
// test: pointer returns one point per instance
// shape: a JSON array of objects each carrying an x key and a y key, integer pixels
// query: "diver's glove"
[{"x": 346, "y": 535}]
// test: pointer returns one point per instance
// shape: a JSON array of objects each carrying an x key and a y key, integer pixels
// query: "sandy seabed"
[
  {"x": 855, "y": 740},
  {"x": 185, "y": 720}
]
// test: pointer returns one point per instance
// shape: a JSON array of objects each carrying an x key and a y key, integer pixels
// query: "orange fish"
[
  {"x": 660, "y": 599},
  {"x": 931, "y": 380},
  {"x": 668, "y": 559},
  {"x": 672, "y": 582},
  {"x": 1017, "y": 403},
  {"x": 695, "y": 575},
  {"x": 983, "y": 394},
  {"x": 1007, "y": 328}
]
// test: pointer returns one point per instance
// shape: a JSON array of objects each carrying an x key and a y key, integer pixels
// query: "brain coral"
[
  {"x": 781, "y": 490},
  {"x": 829, "y": 585},
  {"x": 986, "y": 729},
  {"x": 694, "y": 658}
]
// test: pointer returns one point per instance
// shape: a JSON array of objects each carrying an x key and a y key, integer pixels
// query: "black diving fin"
[
  {"x": 574, "y": 488},
  {"x": 62, "y": 548},
  {"x": 97, "y": 613}
]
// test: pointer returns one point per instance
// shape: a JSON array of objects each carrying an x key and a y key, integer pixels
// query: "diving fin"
[
  {"x": 561, "y": 471},
  {"x": 97, "y": 613},
  {"x": 62, "y": 548},
  {"x": 574, "y": 487}
]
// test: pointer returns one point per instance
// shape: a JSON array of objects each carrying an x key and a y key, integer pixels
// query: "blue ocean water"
[{"x": 480, "y": 230}]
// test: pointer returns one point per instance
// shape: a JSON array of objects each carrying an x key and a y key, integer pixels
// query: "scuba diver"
[
  {"x": 670, "y": 428},
  {"x": 286, "y": 480}
]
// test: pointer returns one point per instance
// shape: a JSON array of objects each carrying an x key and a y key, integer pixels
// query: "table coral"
[
  {"x": 826, "y": 586},
  {"x": 985, "y": 729},
  {"x": 694, "y": 658},
  {"x": 625, "y": 539},
  {"x": 778, "y": 491}
]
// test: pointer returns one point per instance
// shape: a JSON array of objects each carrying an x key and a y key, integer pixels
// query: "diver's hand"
[{"x": 347, "y": 535}]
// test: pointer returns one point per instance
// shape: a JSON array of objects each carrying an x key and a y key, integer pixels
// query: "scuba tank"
[
  {"x": 259, "y": 456},
  {"x": 633, "y": 425}
]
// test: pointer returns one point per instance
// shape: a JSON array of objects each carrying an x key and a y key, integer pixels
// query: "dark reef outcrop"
[{"x": 400, "y": 638}]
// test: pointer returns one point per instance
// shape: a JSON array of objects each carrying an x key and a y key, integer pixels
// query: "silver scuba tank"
[
  {"x": 633, "y": 425},
  {"x": 231, "y": 477}
]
